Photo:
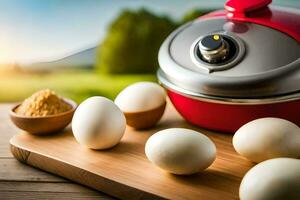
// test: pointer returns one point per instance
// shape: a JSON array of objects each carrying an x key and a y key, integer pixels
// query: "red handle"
[{"x": 240, "y": 7}]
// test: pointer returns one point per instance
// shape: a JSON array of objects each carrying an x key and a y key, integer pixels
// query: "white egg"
[
  {"x": 180, "y": 151},
  {"x": 267, "y": 138},
  {"x": 140, "y": 97},
  {"x": 98, "y": 123},
  {"x": 274, "y": 179}
]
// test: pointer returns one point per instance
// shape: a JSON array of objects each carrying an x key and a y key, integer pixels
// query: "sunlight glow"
[{"x": 7, "y": 53}]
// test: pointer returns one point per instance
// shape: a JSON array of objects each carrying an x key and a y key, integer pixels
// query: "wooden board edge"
[
  {"x": 78, "y": 175},
  {"x": 20, "y": 154}
]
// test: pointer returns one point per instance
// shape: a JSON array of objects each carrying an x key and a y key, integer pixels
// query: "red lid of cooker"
[{"x": 258, "y": 12}]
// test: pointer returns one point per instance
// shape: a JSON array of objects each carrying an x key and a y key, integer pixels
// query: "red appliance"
[{"x": 232, "y": 66}]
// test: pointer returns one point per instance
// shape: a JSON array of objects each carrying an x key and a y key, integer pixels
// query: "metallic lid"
[{"x": 259, "y": 62}]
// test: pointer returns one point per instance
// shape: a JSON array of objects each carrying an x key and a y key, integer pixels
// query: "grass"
[{"x": 77, "y": 85}]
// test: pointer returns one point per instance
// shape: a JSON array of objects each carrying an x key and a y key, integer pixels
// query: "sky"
[{"x": 44, "y": 30}]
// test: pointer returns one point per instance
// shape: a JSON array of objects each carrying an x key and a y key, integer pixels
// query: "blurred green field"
[{"x": 77, "y": 85}]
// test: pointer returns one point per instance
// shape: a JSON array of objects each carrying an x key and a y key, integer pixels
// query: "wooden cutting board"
[{"x": 124, "y": 170}]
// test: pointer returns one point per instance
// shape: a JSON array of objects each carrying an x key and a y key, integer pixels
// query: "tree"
[
  {"x": 132, "y": 42},
  {"x": 193, "y": 14}
]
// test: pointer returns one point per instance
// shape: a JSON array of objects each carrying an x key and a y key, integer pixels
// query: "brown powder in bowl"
[{"x": 43, "y": 103}]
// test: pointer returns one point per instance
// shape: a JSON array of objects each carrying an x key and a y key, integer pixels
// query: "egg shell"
[
  {"x": 267, "y": 138},
  {"x": 180, "y": 151},
  {"x": 98, "y": 123},
  {"x": 141, "y": 97},
  {"x": 274, "y": 179}
]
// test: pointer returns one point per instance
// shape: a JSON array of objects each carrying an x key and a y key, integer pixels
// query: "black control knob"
[{"x": 213, "y": 48}]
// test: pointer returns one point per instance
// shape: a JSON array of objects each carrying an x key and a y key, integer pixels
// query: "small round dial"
[{"x": 213, "y": 48}]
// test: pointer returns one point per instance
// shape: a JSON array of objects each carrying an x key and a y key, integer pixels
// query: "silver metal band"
[{"x": 222, "y": 100}]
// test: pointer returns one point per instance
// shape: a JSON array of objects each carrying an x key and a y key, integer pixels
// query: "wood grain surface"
[
  {"x": 125, "y": 172},
  {"x": 19, "y": 181}
]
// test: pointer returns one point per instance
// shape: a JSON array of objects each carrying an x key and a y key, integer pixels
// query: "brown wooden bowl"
[
  {"x": 146, "y": 119},
  {"x": 43, "y": 125}
]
